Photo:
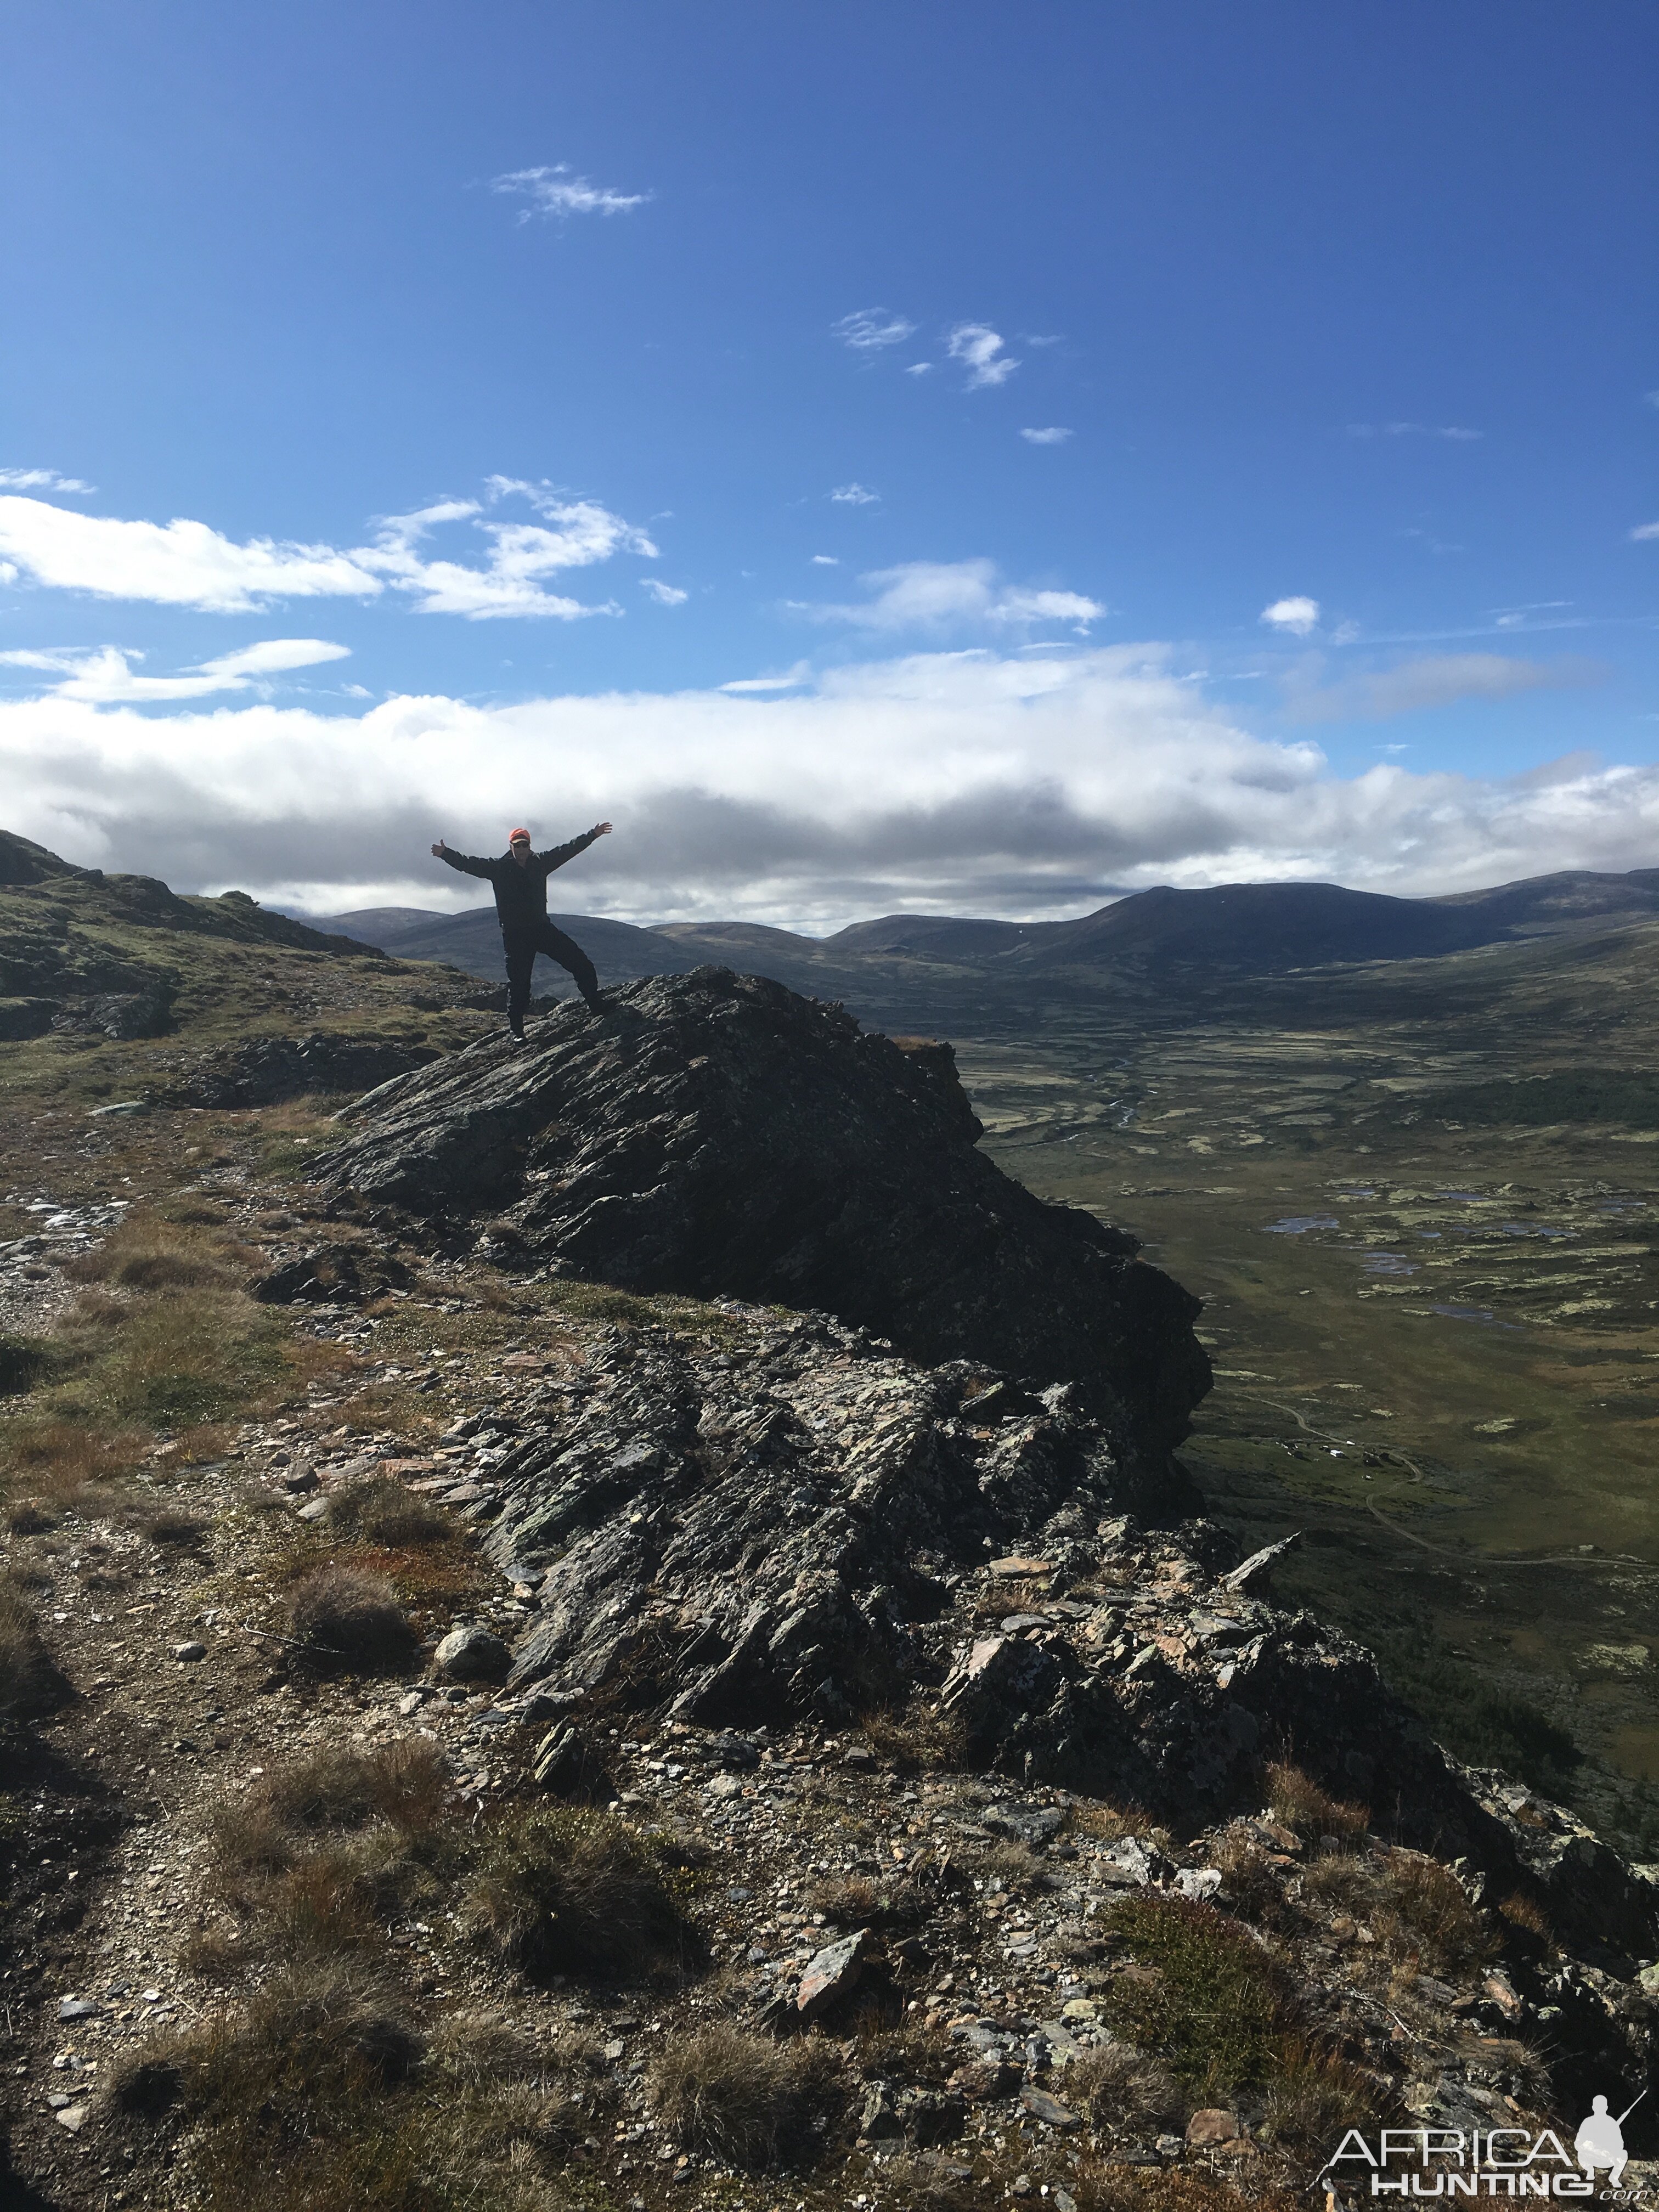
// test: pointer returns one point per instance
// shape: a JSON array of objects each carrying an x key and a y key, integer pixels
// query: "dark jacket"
[{"x": 520, "y": 892}]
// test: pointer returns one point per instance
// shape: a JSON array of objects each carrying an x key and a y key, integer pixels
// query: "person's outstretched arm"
[
  {"x": 464, "y": 861},
  {"x": 560, "y": 854}
]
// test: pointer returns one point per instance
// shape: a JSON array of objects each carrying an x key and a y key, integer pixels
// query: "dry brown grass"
[
  {"x": 1116, "y": 2085},
  {"x": 559, "y": 1890},
  {"x": 146, "y": 1253},
  {"x": 920, "y": 1739},
  {"x": 63, "y": 1464},
  {"x": 172, "y": 1528},
  {"x": 30, "y": 1683},
  {"x": 1015, "y": 1867},
  {"x": 403, "y": 1784},
  {"x": 381, "y": 1511},
  {"x": 1422, "y": 1911},
  {"x": 742, "y": 2097},
  {"x": 345, "y": 1622},
  {"x": 1312, "y": 2095},
  {"x": 30, "y": 1516},
  {"x": 1113, "y": 2187},
  {"x": 1297, "y": 1803},
  {"x": 1249, "y": 1880},
  {"x": 1526, "y": 1913}
]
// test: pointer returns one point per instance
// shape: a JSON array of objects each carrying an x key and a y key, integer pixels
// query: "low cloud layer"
[{"x": 1027, "y": 785}]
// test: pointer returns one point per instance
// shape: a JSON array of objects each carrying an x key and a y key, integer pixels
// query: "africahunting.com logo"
[{"x": 1484, "y": 2161}]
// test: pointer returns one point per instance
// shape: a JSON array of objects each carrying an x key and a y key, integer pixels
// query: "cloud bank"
[{"x": 1026, "y": 785}]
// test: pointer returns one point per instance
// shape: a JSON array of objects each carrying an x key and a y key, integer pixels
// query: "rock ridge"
[{"x": 715, "y": 1134}]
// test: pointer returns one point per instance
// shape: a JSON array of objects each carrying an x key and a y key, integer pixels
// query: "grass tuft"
[
  {"x": 1117, "y": 2085},
  {"x": 1424, "y": 1910},
  {"x": 560, "y": 1890},
  {"x": 1297, "y": 1803},
  {"x": 30, "y": 1683},
  {"x": 740, "y": 2097},
  {"x": 381, "y": 1511},
  {"x": 349, "y": 1623}
]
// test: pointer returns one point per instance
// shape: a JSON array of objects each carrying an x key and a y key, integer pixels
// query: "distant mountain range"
[{"x": 1153, "y": 936}]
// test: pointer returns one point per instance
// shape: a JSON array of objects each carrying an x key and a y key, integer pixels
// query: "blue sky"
[{"x": 1345, "y": 314}]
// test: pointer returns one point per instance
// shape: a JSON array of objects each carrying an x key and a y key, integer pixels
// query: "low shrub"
[
  {"x": 349, "y": 1623},
  {"x": 742, "y": 2097},
  {"x": 1211, "y": 2001},
  {"x": 1297, "y": 1803},
  {"x": 1526, "y": 1913},
  {"x": 920, "y": 1739},
  {"x": 560, "y": 1890},
  {"x": 1422, "y": 1909}
]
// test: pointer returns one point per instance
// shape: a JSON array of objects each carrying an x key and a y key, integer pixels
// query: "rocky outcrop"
[
  {"x": 263, "y": 1071},
  {"x": 715, "y": 1134},
  {"x": 779, "y": 1520}
]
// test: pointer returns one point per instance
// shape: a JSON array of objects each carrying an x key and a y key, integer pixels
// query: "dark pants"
[{"x": 521, "y": 948}]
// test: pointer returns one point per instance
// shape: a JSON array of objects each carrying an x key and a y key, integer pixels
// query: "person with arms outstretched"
[{"x": 519, "y": 879}]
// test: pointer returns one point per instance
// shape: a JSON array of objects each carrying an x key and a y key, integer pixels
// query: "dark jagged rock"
[
  {"x": 717, "y": 1134},
  {"x": 785, "y": 1519},
  {"x": 122, "y": 1015},
  {"x": 326, "y": 1274},
  {"x": 263, "y": 1071}
]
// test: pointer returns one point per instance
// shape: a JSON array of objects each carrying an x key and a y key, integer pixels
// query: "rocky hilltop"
[
  {"x": 716, "y": 1134},
  {"x": 615, "y": 1623}
]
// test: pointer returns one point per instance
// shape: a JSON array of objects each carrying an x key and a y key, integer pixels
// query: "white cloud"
[
  {"x": 555, "y": 192},
  {"x": 973, "y": 782},
  {"x": 666, "y": 595},
  {"x": 979, "y": 349},
  {"x": 1300, "y": 616},
  {"x": 105, "y": 677},
  {"x": 188, "y": 564},
  {"x": 1452, "y": 431},
  {"x": 791, "y": 680},
  {"x": 934, "y": 594},
  {"x": 869, "y": 329},
  {"x": 41, "y": 480},
  {"x": 825, "y": 560},
  {"x": 1436, "y": 680},
  {"x": 1645, "y": 529},
  {"x": 179, "y": 563},
  {"x": 1054, "y": 435},
  {"x": 855, "y": 495},
  {"x": 919, "y": 368}
]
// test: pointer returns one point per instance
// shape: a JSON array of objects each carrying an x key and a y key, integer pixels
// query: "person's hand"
[
  {"x": 438, "y": 849},
  {"x": 601, "y": 828}
]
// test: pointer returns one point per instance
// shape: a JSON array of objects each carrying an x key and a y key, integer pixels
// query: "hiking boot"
[
  {"x": 515, "y": 1031},
  {"x": 596, "y": 1002}
]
